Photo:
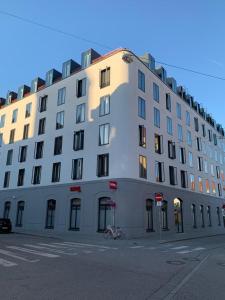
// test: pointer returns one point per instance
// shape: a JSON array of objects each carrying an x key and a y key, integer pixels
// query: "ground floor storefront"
[{"x": 87, "y": 208}]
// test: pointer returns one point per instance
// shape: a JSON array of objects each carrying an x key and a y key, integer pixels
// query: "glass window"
[
  {"x": 182, "y": 155},
  {"x": 178, "y": 107},
  {"x": 7, "y": 207},
  {"x": 60, "y": 120},
  {"x": 173, "y": 175},
  {"x": 164, "y": 215},
  {"x": 158, "y": 144},
  {"x": 168, "y": 102},
  {"x": 142, "y": 166},
  {"x": 104, "y": 213},
  {"x": 209, "y": 216},
  {"x": 19, "y": 215},
  {"x": 184, "y": 179},
  {"x": 81, "y": 87},
  {"x": 12, "y": 136},
  {"x": 61, "y": 96},
  {"x": 141, "y": 108},
  {"x": 14, "y": 115},
  {"x": 1, "y": 139},
  {"x": 159, "y": 171},
  {"x": 9, "y": 157},
  {"x": 2, "y": 121},
  {"x": 192, "y": 182},
  {"x": 196, "y": 124},
  {"x": 78, "y": 140},
  {"x": 202, "y": 215},
  {"x": 104, "y": 131},
  {"x": 41, "y": 126},
  {"x": 189, "y": 139},
  {"x": 169, "y": 123},
  {"x": 80, "y": 114},
  {"x": 39, "y": 146},
  {"x": 26, "y": 131},
  {"x": 50, "y": 215},
  {"x": 77, "y": 168},
  {"x": 104, "y": 108},
  {"x": 207, "y": 186},
  {"x": 180, "y": 132},
  {"x": 156, "y": 117},
  {"x": 6, "y": 179},
  {"x": 22, "y": 153},
  {"x": 20, "y": 180},
  {"x": 28, "y": 110},
  {"x": 142, "y": 136},
  {"x": 58, "y": 145},
  {"x": 193, "y": 209},
  {"x": 141, "y": 80},
  {"x": 105, "y": 77},
  {"x": 43, "y": 103},
  {"x": 75, "y": 205},
  {"x": 171, "y": 150},
  {"x": 155, "y": 92},
  {"x": 200, "y": 184},
  {"x": 103, "y": 165},
  {"x": 56, "y": 167},
  {"x": 36, "y": 178}
]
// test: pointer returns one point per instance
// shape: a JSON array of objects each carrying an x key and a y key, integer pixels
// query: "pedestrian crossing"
[{"x": 13, "y": 255}]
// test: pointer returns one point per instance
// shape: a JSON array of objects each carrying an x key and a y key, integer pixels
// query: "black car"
[{"x": 5, "y": 225}]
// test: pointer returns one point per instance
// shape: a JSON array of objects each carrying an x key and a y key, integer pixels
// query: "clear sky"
[{"x": 187, "y": 33}]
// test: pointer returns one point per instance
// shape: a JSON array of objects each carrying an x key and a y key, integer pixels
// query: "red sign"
[
  {"x": 158, "y": 197},
  {"x": 75, "y": 188},
  {"x": 113, "y": 185}
]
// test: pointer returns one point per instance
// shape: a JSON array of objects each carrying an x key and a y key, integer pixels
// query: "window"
[
  {"x": 103, "y": 165},
  {"x": 182, "y": 155},
  {"x": 43, "y": 103},
  {"x": 60, "y": 120},
  {"x": 78, "y": 140},
  {"x": 142, "y": 166},
  {"x": 180, "y": 132},
  {"x": 193, "y": 209},
  {"x": 36, "y": 178},
  {"x": 75, "y": 205},
  {"x": 104, "y": 131},
  {"x": 205, "y": 166},
  {"x": 50, "y": 215},
  {"x": 200, "y": 184},
  {"x": 104, "y": 108},
  {"x": 61, "y": 96},
  {"x": 190, "y": 159},
  {"x": 104, "y": 77},
  {"x": 189, "y": 139},
  {"x": 141, "y": 81},
  {"x": 219, "y": 189},
  {"x": 188, "y": 118},
  {"x": 1, "y": 139},
  {"x": 192, "y": 182},
  {"x": 169, "y": 123},
  {"x": 19, "y": 215},
  {"x": 7, "y": 207},
  {"x": 2, "y": 121},
  {"x": 159, "y": 171},
  {"x": 12, "y": 136},
  {"x": 81, "y": 87},
  {"x": 80, "y": 115},
  {"x": 26, "y": 131},
  {"x": 20, "y": 180},
  {"x": 213, "y": 187},
  {"x": 210, "y": 134},
  {"x": 56, "y": 171},
  {"x": 142, "y": 136},
  {"x": 58, "y": 145},
  {"x": 200, "y": 163},
  {"x": 164, "y": 215},
  {"x": 202, "y": 215},
  {"x": 218, "y": 216},
  {"x": 28, "y": 110},
  {"x": 207, "y": 186},
  {"x": 158, "y": 144},
  {"x": 196, "y": 124},
  {"x": 178, "y": 108},
  {"x": 156, "y": 117},
  {"x": 22, "y": 153},
  {"x": 77, "y": 168},
  {"x": 149, "y": 211},
  {"x": 218, "y": 172},
  {"x": 14, "y": 115},
  {"x": 39, "y": 146},
  {"x": 209, "y": 216},
  {"x": 155, "y": 92},
  {"x": 184, "y": 179},
  {"x": 168, "y": 102},
  {"x": 9, "y": 157},
  {"x": 41, "y": 126},
  {"x": 171, "y": 150},
  {"x": 214, "y": 139},
  {"x": 199, "y": 144},
  {"x": 212, "y": 170},
  {"x": 141, "y": 108},
  {"x": 173, "y": 175},
  {"x": 6, "y": 179},
  {"x": 203, "y": 130},
  {"x": 104, "y": 213}
]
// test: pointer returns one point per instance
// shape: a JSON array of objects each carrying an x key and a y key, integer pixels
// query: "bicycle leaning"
[{"x": 113, "y": 232}]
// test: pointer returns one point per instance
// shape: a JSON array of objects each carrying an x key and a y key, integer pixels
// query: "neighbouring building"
[{"x": 93, "y": 145}]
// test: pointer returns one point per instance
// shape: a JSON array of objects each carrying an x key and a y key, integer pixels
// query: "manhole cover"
[
  {"x": 191, "y": 258},
  {"x": 175, "y": 262}
]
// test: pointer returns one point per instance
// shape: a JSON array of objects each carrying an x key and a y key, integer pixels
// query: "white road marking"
[
  {"x": 7, "y": 263},
  {"x": 89, "y": 245},
  {"x": 87, "y": 251},
  {"x": 184, "y": 252},
  {"x": 180, "y": 247},
  {"x": 33, "y": 252},
  {"x": 199, "y": 249},
  {"x": 48, "y": 249},
  {"x": 11, "y": 254},
  {"x": 136, "y": 247}
]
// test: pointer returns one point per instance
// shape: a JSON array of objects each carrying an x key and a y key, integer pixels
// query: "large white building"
[{"x": 92, "y": 145}]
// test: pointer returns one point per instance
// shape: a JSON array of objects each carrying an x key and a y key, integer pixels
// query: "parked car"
[{"x": 5, "y": 225}]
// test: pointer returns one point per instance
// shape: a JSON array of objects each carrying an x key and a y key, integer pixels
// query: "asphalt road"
[{"x": 55, "y": 268}]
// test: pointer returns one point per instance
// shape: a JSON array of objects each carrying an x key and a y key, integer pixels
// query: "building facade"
[{"x": 91, "y": 146}]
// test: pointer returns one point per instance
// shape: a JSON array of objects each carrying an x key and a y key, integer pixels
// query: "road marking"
[
  {"x": 90, "y": 245},
  {"x": 184, "y": 252},
  {"x": 199, "y": 249},
  {"x": 33, "y": 252},
  {"x": 48, "y": 249},
  {"x": 7, "y": 263},
  {"x": 136, "y": 247},
  {"x": 87, "y": 251},
  {"x": 11, "y": 254},
  {"x": 180, "y": 247},
  {"x": 185, "y": 280}
]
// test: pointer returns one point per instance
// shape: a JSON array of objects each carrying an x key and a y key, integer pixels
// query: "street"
[{"x": 34, "y": 267}]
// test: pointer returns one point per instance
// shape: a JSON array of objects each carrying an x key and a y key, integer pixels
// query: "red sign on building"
[
  {"x": 113, "y": 185},
  {"x": 75, "y": 188},
  {"x": 158, "y": 197}
]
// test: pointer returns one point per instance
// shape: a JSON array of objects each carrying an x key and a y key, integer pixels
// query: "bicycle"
[{"x": 113, "y": 233}]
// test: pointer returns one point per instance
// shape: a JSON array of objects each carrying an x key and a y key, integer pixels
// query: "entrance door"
[
  {"x": 178, "y": 214},
  {"x": 149, "y": 214}
]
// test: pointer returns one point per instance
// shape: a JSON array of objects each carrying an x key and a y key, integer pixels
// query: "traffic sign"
[{"x": 158, "y": 197}]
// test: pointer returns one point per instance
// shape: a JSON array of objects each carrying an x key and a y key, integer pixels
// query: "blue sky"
[{"x": 183, "y": 33}]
